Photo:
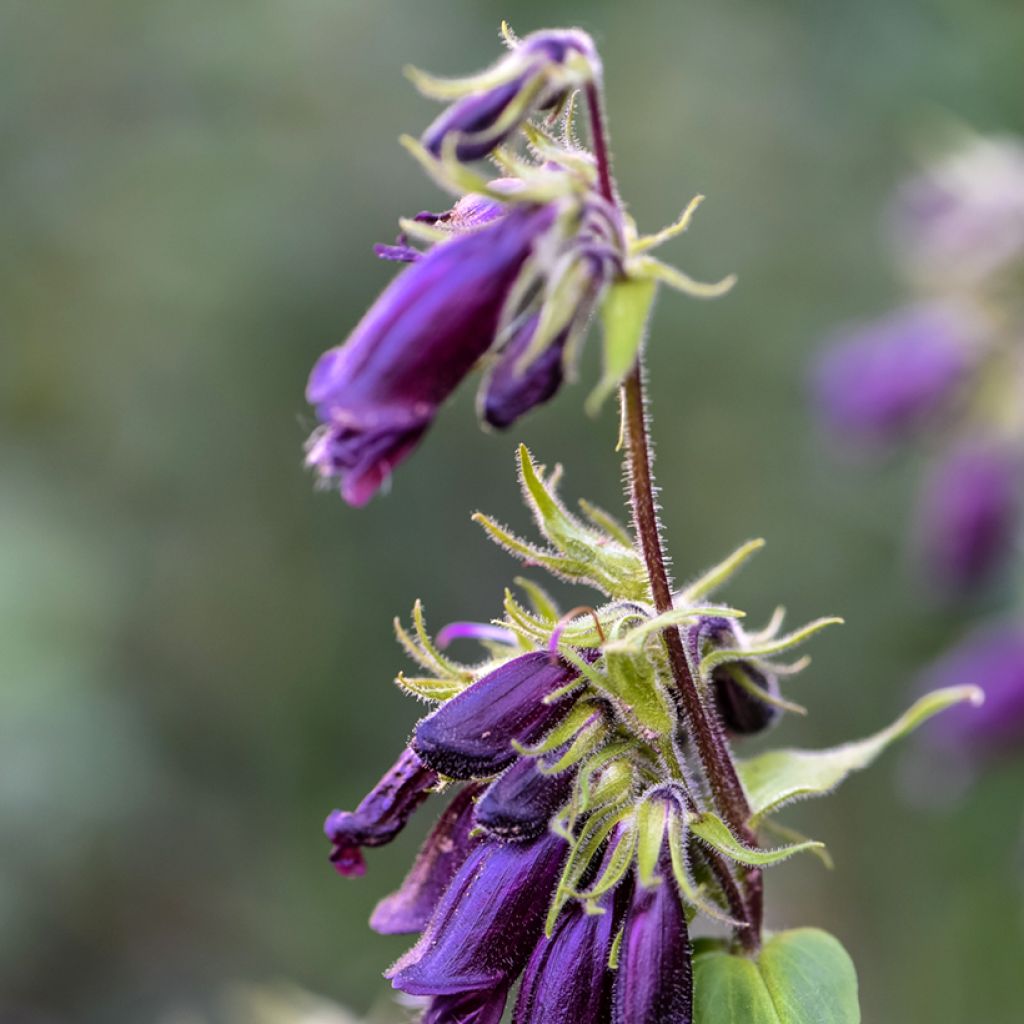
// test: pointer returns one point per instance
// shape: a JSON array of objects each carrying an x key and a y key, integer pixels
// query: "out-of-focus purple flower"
[
  {"x": 487, "y": 922},
  {"x": 382, "y": 814},
  {"x": 409, "y": 908},
  {"x": 471, "y": 735},
  {"x": 567, "y": 980},
  {"x": 509, "y": 390},
  {"x": 962, "y": 220},
  {"x": 378, "y": 393},
  {"x": 654, "y": 981},
  {"x": 877, "y": 380},
  {"x": 467, "y": 1008},
  {"x": 519, "y": 804},
  {"x": 991, "y": 657},
  {"x": 535, "y": 75},
  {"x": 968, "y": 513}
]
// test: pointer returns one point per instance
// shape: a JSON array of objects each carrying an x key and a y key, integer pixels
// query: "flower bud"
[{"x": 519, "y": 804}]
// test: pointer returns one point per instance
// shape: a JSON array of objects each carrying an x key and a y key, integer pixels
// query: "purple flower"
[
  {"x": 510, "y": 391},
  {"x": 408, "y": 909},
  {"x": 382, "y": 814},
  {"x": 487, "y": 922},
  {"x": 567, "y": 980},
  {"x": 378, "y": 393},
  {"x": 877, "y": 380},
  {"x": 654, "y": 981},
  {"x": 963, "y": 218},
  {"x": 968, "y": 513},
  {"x": 471, "y": 735},
  {"x": 534, "y": 76},
  {"x": 991, "y": 657},
  {"x": 467, "y": 1008},
  {"x": 519, "y": 803}
]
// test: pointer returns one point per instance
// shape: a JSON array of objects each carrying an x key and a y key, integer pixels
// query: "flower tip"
[{"x": 348, "y": 861}]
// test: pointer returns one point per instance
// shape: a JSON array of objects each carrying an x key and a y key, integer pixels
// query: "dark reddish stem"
[{"x": 709, "y": 738}]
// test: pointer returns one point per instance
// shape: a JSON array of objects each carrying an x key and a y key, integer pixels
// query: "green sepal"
[
  {"x": 544, "y": 605},
  {"x": 633, "y": 639},
  {"x": 723, "y": 655},
  {"x": 424, "y": 651},
  {"x": 429, "y": 689},
  {"x": 633, "y": 682},
  {"x": 802, "y": 976},
  {"x": 615, "y": 870},
  {"x": 607, "y": 522},
  {"x": 577, "y": 718},
  {"x": 719, "y": 574},
  {"x": 692, "y": 894},
  {"x": 779, "y": 777},
  {"x": 710, "y": 829},
  {"x": 652, "y": 821},
  {"x": 624, "y": 314},
  {"x": 613, "y": 953}
]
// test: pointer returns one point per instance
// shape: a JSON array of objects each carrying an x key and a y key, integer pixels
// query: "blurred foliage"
[{"x": 197, "y": 648}]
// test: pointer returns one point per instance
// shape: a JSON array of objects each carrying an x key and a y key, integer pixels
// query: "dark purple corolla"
[
  {"x": 519, "y": 804},
  {"x": 410, "y": 907},
  {"x": 467, "y": 1008},
  {"x": 378, "y": 393},
  {"x": 536, "y": 75},
  {"x": 654, "y": 982},
  {"x": 471, "y": 736},
  {"x": 487, "y": 922},
  {"x": 991, "y": 657},
  {"x": 875, "y": 381},
  {"x": 382, "y": 814},
  {"x": 969, "y": 512}
]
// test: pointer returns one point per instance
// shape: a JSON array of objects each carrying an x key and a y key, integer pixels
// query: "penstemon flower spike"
[{"x": 600, "y": 812}]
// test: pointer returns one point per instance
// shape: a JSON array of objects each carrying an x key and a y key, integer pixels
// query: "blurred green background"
[{"x": 196, "y": 648}]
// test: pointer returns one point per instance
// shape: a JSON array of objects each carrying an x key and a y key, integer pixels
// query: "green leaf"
[
  {"x": 778, "y": 777},
  {"x": 800, "y": 977},
  {"x": 624, "y": 314},
  {"x": 713, "y": 831}
]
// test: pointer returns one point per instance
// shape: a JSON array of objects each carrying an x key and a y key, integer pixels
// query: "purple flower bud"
[
  {"x": 467, "y": 1008},
  {"x": 654, "y": 981},
  {"x": 382, "y": 814},
  {"x": 483, "y": 120},
  {"x": 567, "y": 980},
  {"x": 877, "y": 380},
  {"x": 741, "y": 711},
  {"x": 509, "y": 391},
  {"x": 487, "y": 922},
  {"x": 471, "y": 735},
  {"x": 991, "y": 657},
  {"x": 444, "y": 851},
  {"x": 519, "y": 803},
  {"x": 378, "y": 393},
  {"x": 968, "y": 513}
]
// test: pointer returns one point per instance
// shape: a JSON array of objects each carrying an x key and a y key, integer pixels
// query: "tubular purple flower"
[
  {"x": 467, "y": 1008},
  {"x": 654, "y": 982},
  {"x": 567, "y": 980},
  {"x": 534, "y": 76},
  {"x": 471, "y": 736},
  {"x": 519, "y": 804},
  {"x": 992, "y": 657},
  {"x": 409, "y": 908},
  {"x": 377, "y": 394},
  {"x": 877, "y": 380},
  {"x": 510, "y": 391},
  {"x": 381, "y": 815},
  {"x": 968, "y": 513},
  {"x": 487, "y": 922}
]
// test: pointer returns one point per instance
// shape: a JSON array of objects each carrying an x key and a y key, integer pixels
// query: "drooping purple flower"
[
  {"x": 487, "y": 922},
  {"x": 510, "y": 391},
  {"x": 968, "y": 513},
  {"x": 567, "y": 980},
  {"x": 409, "y": 908},
  {"x": 519, "y": 804},
  {"x": 467, "y": 1008},
  {"x": 962, "y": 219},
  {"x": 378, "y": 393},
  {"x": 534, "y": 76},
  {"x": 654, "y": 981},
  {"x": 381, "y": 815},
  {"x": 879, "y": 379},
  {"x": 992, "y": 657},
  {"x": 470, "y": 736}
]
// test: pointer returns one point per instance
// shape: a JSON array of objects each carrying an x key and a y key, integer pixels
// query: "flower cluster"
[
  {"x": 508, "y": 278},
  {"x": 951, "y": 364},
  {"x": 576, "y": 847}
]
